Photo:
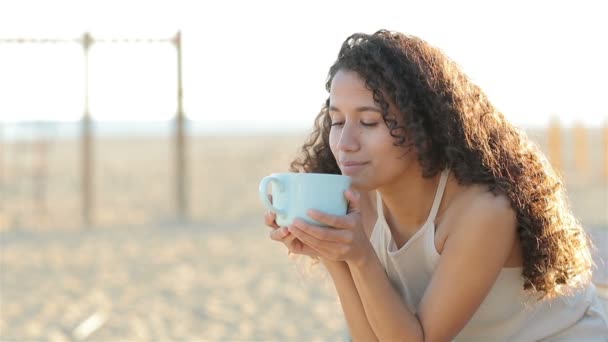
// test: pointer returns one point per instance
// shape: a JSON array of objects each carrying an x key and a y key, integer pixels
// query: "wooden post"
[
  {"x": 554, "y": 137},
  {"x": 40, "y": 170},
  {"x": 1, "y": 158},
  {"x": 605, "y": 150},
  {"x": 1, "y": 174},
  {"x": 87, "y": 141},
  {"x": 180, "y": 140},
  {"x": 581, "y": 151}
]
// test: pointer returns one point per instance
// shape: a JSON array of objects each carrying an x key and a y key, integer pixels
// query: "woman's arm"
[
  {"x": 475, "y": 251},
  {"x": 384, "y": 308},
  {"x": 359, "y": 327},
  {"x": 352, "y": 307},
  {"x": 350, "y": 301},
  {"x": 365, "y": 288},
  {"x": 473, "y": 255}
]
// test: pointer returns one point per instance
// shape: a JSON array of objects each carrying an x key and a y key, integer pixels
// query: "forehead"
[{"x": 348, "y": 86}]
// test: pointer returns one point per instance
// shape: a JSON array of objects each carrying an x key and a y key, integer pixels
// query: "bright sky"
[{"x": 264, "y": 63}]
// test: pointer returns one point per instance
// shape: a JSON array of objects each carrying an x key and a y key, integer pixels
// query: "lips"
[
  {"x": 352, "y": 163},
  {"x": 352, "y": 167}
]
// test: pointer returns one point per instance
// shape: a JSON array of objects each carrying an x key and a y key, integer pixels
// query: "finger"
[
  {"x": 331, "y": 220},
  {"x": 310, "y": 250},
  {"x": 298, "y": 247},
  {"x": 292, "y": 243},
  {"x": 289, "y": 238},
  {"x": 310, "y": 240},
  {"x": 279, "y": 234},
  {"x": 321, "y": 233},
  {"x": 270, "y": 219},
  {"x": 353, "y": 199}
]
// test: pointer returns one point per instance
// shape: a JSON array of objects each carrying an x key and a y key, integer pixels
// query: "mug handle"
[{"x": 264, "y": 197}]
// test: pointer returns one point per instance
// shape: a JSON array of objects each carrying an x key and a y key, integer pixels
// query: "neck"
[{"x": 409, "y": 199}]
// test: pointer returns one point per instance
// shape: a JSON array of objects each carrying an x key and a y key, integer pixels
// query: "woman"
[{"x": 458, "y": 228}]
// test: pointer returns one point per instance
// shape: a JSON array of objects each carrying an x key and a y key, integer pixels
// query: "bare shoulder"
[
  {"x": 476, "y": 208},
  {"x": 481, "y": 242},
  {"x": 478, "y": 203}
]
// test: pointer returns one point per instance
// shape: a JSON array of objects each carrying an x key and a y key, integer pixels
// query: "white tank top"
[{"x": 507, "y": 313}]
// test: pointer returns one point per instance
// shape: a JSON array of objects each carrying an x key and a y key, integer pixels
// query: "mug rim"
[{"x": 309, "y": 174}]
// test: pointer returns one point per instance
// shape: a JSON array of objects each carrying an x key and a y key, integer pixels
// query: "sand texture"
[{"x": 139, "y": 274}]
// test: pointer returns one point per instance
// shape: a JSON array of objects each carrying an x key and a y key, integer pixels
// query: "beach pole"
[
  {"x": 581, "y": 151},
  {"x": 180, "y": 140},
  {"x": 40, "y": 171},
  {"x": 554, "y": 140},
  {"x": 2, "y": 151},
  {"x": 1, "y": 157},
  {"x": 87, "y": 141},
  {"x": 605, "y": 151}
]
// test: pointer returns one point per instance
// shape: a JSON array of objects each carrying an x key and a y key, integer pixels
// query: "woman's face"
[{"x": 359, "y": 138}]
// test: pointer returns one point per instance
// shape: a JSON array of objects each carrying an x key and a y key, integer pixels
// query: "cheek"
[
  {"x": 333, "y": 142},
  {"x": 394, "y": 159}
]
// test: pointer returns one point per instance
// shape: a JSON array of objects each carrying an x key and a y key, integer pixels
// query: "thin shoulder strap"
[
  {"x": 379, "y": 207},
  {"x": 438, "y": 195},
  {"x": 436, "y": 202}
]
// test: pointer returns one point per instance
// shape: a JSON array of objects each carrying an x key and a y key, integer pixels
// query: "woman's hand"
[
  {"x": 283, "y": 235},
  {"x": 343, "y": 240}
]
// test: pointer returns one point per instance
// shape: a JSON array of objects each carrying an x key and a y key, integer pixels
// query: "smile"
[{"x": 351, "y": 168}]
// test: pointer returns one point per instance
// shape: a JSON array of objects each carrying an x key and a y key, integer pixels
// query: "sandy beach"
[
  {"x": 162, "y": 283},
  {"x": 138, "y": 274}
]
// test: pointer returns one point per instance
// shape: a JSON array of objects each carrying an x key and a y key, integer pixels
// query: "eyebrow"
[{"x": 359, "y": 109}]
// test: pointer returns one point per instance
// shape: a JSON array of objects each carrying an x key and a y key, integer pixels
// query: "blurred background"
[{"x": 133, "y": 136}]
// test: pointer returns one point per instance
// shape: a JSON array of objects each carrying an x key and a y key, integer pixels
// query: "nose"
[{"x": 349, "y": 138}]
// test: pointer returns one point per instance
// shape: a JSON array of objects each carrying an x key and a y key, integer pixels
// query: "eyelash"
[{"x": 372, "y": 124}]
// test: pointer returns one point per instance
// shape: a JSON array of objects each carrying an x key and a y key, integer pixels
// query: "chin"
[{"x": 360, "y": 184}]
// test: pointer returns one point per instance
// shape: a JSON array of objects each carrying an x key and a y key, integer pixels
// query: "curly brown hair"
[{"x": 450, "y": 122}]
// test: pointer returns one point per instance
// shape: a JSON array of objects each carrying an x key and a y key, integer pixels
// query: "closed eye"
[{"x": 366, "y": 124}]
